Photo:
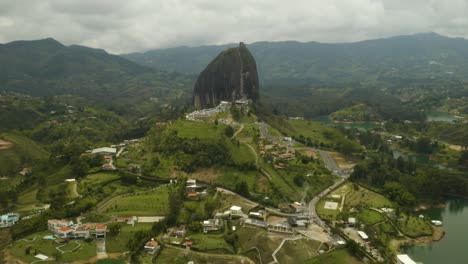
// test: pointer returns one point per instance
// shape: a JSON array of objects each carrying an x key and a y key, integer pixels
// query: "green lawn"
[
  {"x": 48, "y": 248},
  {"x": 335, "y": 257},
  {"x": 369, "y": 217},
  {"x": 154, "y": 203},
  {"x": 119, "y": 242},
  {"x": 298, "y": 251},
  {"x": 327, "y": 214},
  {"x": 414, "y": 227}
]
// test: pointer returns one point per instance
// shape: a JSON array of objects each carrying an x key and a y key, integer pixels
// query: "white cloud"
[{"x": 125, "y": 26}]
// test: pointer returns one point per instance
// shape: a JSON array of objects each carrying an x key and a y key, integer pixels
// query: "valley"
[{"x": 123, "y": 163}]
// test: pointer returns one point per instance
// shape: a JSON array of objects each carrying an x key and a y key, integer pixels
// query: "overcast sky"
[{"x": 135, "y": 25}]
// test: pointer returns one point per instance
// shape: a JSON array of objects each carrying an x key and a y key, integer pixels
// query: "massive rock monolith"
[{"x": 231, "y": 76}]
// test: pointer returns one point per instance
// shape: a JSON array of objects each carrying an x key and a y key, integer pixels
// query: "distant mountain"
[
  {"x": 412, "y": 57},
  {"x": 46, "y": 67},
  {"x": 232, "y": 75}
]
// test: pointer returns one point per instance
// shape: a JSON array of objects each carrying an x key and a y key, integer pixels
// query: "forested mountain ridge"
[
  {"x": 47, "y": 67},
  {"x": 411, "y": 57}
]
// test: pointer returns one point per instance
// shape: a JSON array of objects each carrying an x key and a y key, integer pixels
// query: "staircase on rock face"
[
  {"x": 231, "y": 76},
  {"x": 241, "y": 68}
]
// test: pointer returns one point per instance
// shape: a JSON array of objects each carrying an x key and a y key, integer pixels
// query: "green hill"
[
  {"x": 46, "y": 67},
  {"x": 355, "y": 113},
  {"x": 409, "y": 58},
  {"x": 22, "y": 152}
]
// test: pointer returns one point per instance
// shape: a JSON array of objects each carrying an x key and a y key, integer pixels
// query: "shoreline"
[
  {"x": 356, "y": 122},
  {"x": 437, "y": 235},
  {"x": 424, "y": 206}
]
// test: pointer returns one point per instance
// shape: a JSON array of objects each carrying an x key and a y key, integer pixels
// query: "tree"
[
  {"x": 463, "y": 160},
  {"x": 229, "y": 131},
  {"x": 299, "y": 180},
  {"x": 114, "y": 229},
  {"x": 79, "y": 167},
  {"x": 242, "y": 188}
]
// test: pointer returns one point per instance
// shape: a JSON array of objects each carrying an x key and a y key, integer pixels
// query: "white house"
[
  {"x": 9, "y": 219},
  {"x": 363, "y": 235},
  {"x": 211, "y": 225},
  {"x": 235, "y": 210},
  {"x": 151, "y": 246},
  {"x": 55, "y": 224}
]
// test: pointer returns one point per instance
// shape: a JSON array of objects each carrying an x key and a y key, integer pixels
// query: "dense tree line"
[{"x": 406, "y": 182}]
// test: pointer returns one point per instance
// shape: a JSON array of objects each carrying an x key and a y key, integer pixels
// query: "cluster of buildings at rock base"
[{"x": 223, "y": 106}]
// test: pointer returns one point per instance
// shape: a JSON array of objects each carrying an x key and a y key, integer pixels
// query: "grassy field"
[
  {"x": 154, "y": 203},
  {"x": 241, "y": 153},
  {"x": 365, "y": 197},
  {"x": 119, "y": 242},
  {"x": 369, "y": 217},
  {"x": 211, "y": 243},
  {"x": 414, "y": 227},
  {"x": 335, "y": 257},
  {"x": 319, "y": 134},
  {"x": 298, "y": 251},
  {"x": 256, "y": 237},
  {"x": 94, "y": 180},
  {"x": 192, "y": 129},
  {"x": 48, "y": 248},
  {"x": 176, "y": 255},
  {"x": 327, "y": 214},
  {"x": 353, "y": 197}
]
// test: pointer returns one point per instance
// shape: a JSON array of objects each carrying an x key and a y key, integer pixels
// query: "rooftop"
[
  {"x": 65, "y": 229},
  {"x": 235, "y": 208},
  {"x": 105, "y": 149},
  {"x": 405, "y": 259}
]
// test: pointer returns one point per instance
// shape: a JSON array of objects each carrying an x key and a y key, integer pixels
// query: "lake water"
[
  {"x": 361, "y": 126},
  {"x": 452, "y": 249},
  {"x": 437, "y": 116}
]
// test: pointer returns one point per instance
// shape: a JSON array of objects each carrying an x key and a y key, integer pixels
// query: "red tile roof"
[
  {"x": 152, "y": 243},
  {"x": 65, "y": 229},
  {"x": 101, "y": 227}
]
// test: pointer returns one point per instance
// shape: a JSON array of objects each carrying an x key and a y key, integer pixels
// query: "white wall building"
[{"x": 9, "y": 219}]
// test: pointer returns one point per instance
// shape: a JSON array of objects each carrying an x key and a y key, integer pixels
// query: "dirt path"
[
  {"x": 254, "y": 152},
  {"x": 238, "y": 131},
  {"x": 241, "y": 259},
  {"x": 5, "y": 144},
  {"x": 273, "y": 255},
  {"x": 74, "y": 190}
]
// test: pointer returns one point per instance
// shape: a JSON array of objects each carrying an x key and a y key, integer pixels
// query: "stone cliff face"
[{"x": 232, "y": 75}]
